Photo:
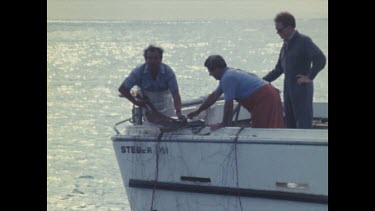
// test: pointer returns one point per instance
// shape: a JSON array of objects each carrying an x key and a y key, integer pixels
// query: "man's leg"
[
  {"x": 303, "y": 109},
  {"x": 290, "y": 120}
]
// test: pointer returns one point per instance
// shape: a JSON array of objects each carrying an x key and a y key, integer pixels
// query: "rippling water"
[{"x": 86, "y": 62}]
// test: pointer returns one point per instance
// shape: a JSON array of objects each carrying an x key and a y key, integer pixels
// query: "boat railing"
[
  {"x": 136, "y": 119},
  {"x": 197, "y": 101},
  {"x": 119, "y": 123}
]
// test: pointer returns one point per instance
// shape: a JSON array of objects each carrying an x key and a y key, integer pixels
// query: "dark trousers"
[{"x": 298, "y": 106}]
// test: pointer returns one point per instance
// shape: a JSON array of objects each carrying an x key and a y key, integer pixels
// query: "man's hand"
[
  {"x": 137, "y": 102},
  {"x": 193, "y": 114},
  {"x": 302, "y": 79},
  {"x": 181, "y": 117},
  {"x": 140, "y": 103}
]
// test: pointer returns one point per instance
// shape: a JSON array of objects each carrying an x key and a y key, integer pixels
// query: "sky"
[{"x": 182, "y": 9}]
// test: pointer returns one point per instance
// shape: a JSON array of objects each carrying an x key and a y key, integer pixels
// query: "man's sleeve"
[
  {"x": 218, "y": 91},
  {"x": 316, "y": 56},
  {"x": 229, "y": 88},
  {"x": 172, "y": 82},
  {"x": 131, "y": 80},
  {"x": 275, "y": 73}
]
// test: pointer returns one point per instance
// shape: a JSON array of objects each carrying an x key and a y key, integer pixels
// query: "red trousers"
[{"x": 265, "y": 108}]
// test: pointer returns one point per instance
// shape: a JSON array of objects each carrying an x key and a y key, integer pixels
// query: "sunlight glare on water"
[{"x": 86, "y": 62}]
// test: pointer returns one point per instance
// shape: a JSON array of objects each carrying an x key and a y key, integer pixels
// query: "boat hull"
[{"x": 229, "y": 169}]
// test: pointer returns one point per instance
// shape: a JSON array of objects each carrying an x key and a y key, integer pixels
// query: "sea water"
[{"x": 87, "y": 61}]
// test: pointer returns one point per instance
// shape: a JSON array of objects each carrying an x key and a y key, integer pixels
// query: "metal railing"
[{"x": 118, "y": 123}]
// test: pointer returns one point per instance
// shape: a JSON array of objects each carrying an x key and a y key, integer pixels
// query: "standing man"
[
  {"x": 260, "y": 98},
  {"x": 300, "y": 60},
  {"x": 157, "y": 82}
]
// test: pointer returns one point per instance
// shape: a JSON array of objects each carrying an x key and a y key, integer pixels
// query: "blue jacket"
[{"x": 302, "y": 57}]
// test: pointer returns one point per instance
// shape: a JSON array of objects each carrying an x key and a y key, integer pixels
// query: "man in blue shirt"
[
  {"x": 259, "y": 97},
  {"x": 157, "y": 82},
  {"x": 300, "y": 60}
]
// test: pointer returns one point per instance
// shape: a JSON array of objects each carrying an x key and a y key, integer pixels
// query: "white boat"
[{"x": 230, "y": 169}]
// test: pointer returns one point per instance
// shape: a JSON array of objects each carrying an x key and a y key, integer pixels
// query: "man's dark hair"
[
  {"x": 153, "y": 48},
  {"x": 215, "y": 61},
  {"x": 286, "y": 19}
]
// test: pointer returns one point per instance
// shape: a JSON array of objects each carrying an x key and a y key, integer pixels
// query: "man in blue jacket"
[{"x": 300, "y": 60}]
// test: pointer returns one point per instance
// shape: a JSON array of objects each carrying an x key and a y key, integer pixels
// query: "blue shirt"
[
  {"x": 238, "y": 84},
  {"x": 141, "y": 76}
]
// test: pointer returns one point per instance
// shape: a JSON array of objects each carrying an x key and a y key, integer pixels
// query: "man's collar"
[
  {"x": 294, "y": 34},
  {"x": 162, "y": 69}
]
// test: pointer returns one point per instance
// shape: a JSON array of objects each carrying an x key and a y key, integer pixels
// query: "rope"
[
  {"x": 235, "y": 151},
  {"x": 157, "y": 169}
]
